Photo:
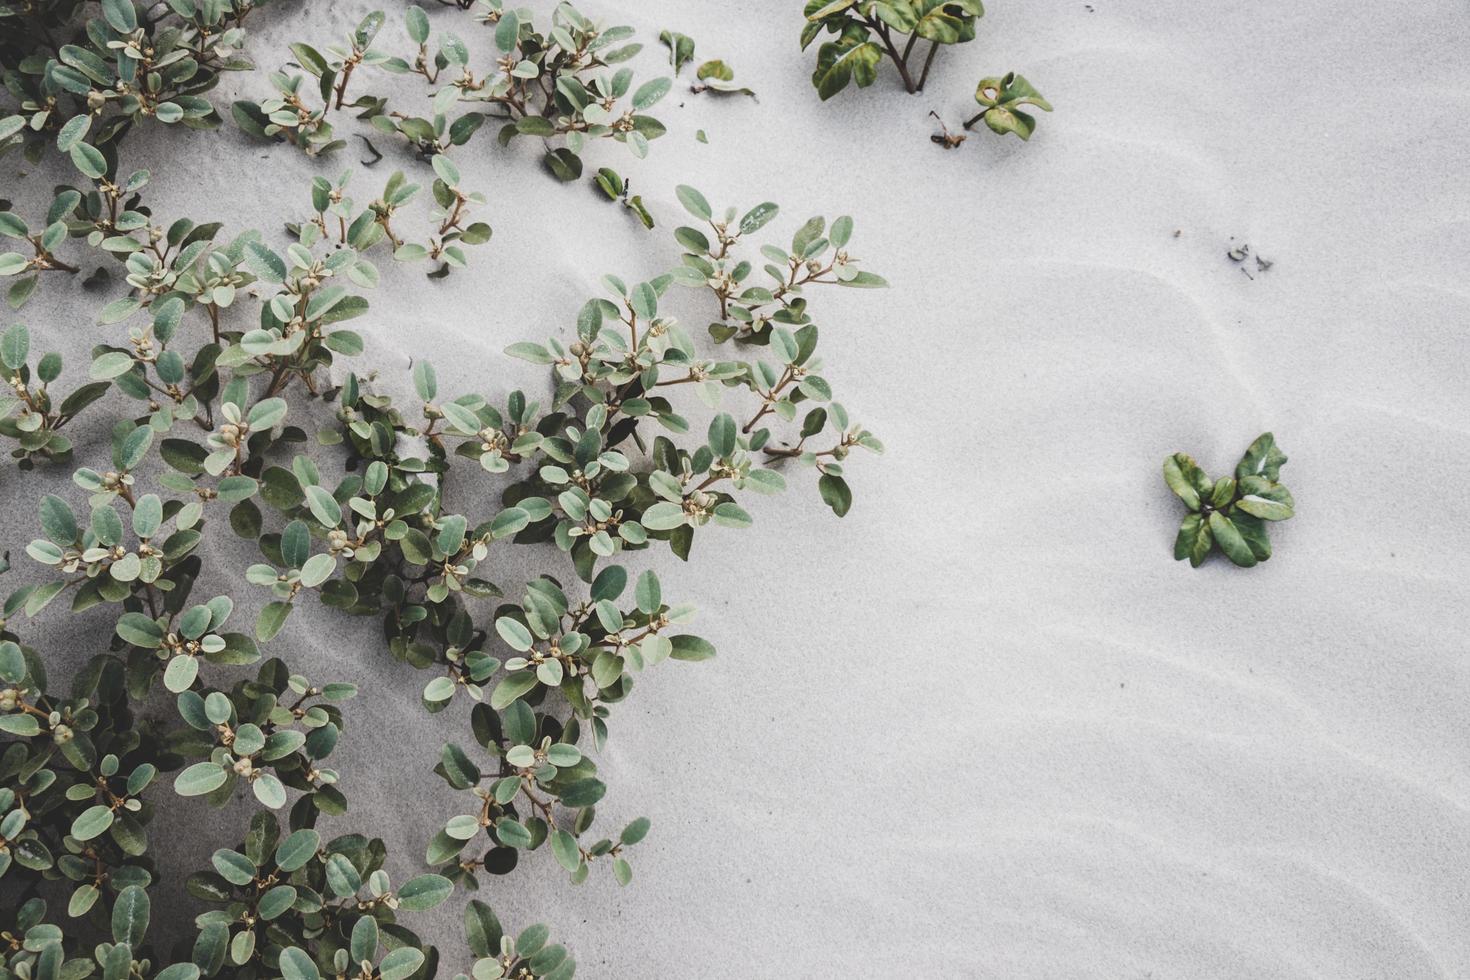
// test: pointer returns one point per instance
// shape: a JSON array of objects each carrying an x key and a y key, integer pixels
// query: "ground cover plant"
[
  {"x": 561, "y": 79},
  {"x": 1233, "y": 512},
  {"x": 209, "y": 390},
  {"x": 867, "y": 31}
]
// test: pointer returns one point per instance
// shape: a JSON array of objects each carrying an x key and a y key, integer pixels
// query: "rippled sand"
[{"x": 984, "y": 726}]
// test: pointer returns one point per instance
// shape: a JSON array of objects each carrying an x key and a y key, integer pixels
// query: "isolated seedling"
[
  {"x": 1002, "y": 98},
  {"x": 1231, "y": 512}
]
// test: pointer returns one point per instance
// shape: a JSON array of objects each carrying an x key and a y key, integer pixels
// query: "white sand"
[{"x": 984, "y": 726}]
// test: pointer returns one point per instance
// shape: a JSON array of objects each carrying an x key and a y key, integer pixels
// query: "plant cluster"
[
  {"x": 867, "y": 31},
  {"x": 92, "y": 69},
  {"x": 1231, "y": 512},
  {"x": 226, "y": 420},
  {"x": 563, "y": 82}
]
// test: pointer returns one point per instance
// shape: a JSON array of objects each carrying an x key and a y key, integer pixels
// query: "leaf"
[
  {"x": 835, "y": 493},
  {"x": 120, "y": 15},
  {"x": 1265, "y": 508},
  {"x": 650, "y": 92},
  {"x": 130, "y": 916},
  {"x": 297, "y": 849},
  {"x": 272, "y": 617},
  {"x": 1194, "y": 540},
  {"x": 403, "y": 962},
  {"x": 295, "y": 964},
  {"x": 91, "y": 822},
  {"x": 1186, "y": 479},
  {"x": 198, "y": 779},
  {"x": 57, "y": 520},
  {"x": 89, "y": 160},
  {"x": 110, "y": 365},
  {"x": 512, "y": 687},
  {"x": 693, "y": 202},
  {"x": 663, "y": 516},
  {"x": 323, "y": 506},
  {"x": 838, "y": 64},
  {"x": 647, "y": 593},
  {"x": 514, "y": 633},
  {"x": 722, "y": 435},
  {"x": 264, "y": 263},
  {"x": 424, "y": 892},
  {"x": 691, "y": 648},
  {"x": 15, "y": 344},
  {"x": 758, "y": 217},
  {"x": 635, "y": 831},
  {"x": 140, "y": 631},
  {"x": 1262, "y": 459},
  {"x": 1230, "y": 540}
]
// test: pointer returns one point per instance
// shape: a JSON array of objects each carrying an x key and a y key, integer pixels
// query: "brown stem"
[{"x": 928, "y": 63}]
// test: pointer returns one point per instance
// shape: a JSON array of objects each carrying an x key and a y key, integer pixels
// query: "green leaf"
[
  {"x": 199, "y": 779},
  {"x": 663, "y": 516},
  {"x": 400, "y": 964},
  {"x": 15, "y": 344},
  {"x": 647, "y": 593},
  {"x": 264, "y": 263},
  {"x": 272, "y": 617},
  {"x": 424, "y": 892},
  {"x": 323, "y": 506},
  {"x": 120, "y": 15},
  {"x": 722, "y": 435},
  {"x": 140, "y": 631},
  {"x": 839, "y": 63},
  {"x": 297, "y": 849},
  {"x": 691, "y": 648},
  {"x": 296, "y": 964},
  {"x": 130, "y": 917},
  {"x": 1186, "y": 479},
  {"x": 835, "y": 493},
  {"x": 1262, "y": 459},
  {"x": 1230, "y": 540},
  {"x": 1265, "y": 508},
  {"x": 693, "y": 202},
  {"x": 650, "y": 92},
  {"x": 514, "y": 633},
  {"x": 635, "y": 831},
  {"x": 564, "y": 847},
  {"x": 512, "y": 687},
  {"x": 1194, "y": 540},
  {"x": 88, "y": 159},
  {"x": 91, "y": 822},
  {"x": 57, "y": 520}
]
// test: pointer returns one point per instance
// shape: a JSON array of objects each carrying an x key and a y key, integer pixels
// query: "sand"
[{"x": 984, "y": 726}]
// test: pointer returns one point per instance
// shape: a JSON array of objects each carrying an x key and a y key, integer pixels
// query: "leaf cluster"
[
  {"x": 219, "y": 368},
  {"x": 1231, "y": 512},
  {"x": 84, "y": 72}
]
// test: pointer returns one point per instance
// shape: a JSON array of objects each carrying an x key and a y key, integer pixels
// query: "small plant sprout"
[
  {"x": 1002, "y": 98},
  {"x": 618, "y": 189},
  {"x": 868, "y": 30},
  {"x": 1232, "y": 512}
]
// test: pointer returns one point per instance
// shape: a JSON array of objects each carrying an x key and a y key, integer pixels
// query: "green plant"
[
  {"x": 867, "y": 30},
  {"x": 78, "y": 69},
  {"x": 559, "y": 82},
  {"x": 1002, "y": 98},
  {"x": 611, "y": 183},
  {"x": 291, "y": 114},
  {"x": 223, "y": 419},
  {"x": 1232, "y": 512}
]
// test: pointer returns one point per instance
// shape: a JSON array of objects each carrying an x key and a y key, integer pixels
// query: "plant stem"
[{"x": 928, "y": 63}]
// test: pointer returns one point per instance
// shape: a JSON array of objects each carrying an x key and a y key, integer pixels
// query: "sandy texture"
[{"x": 984, "y": 726}]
